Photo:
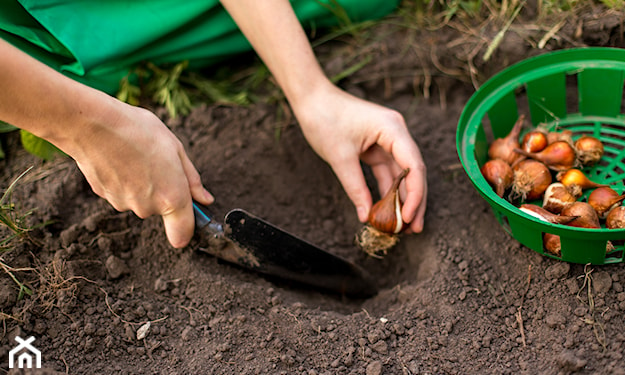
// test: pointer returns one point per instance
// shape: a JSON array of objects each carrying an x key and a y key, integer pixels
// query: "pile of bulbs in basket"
[{"x": 546, "y": 165}]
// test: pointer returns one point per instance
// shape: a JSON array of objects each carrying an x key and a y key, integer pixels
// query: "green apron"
[{"x": 98, "y": 42}]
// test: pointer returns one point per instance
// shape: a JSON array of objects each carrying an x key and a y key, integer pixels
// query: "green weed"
[
  {"x": 556, "y": 6},
  {"x": 10, "y": 217},
  {"x": 499, "y": 37},
  {"x": 166, "y": 89},
  {"x": 345, "y": 25},
  {"x": 177, "y": 88},
  {"x": 15, "y": 221},
  {"x": 23, "y": 289},
  {"x": 454, "y": 7},
  {"x": 338, "y": 11},
  {"x": 129, "y": 92},
  {"x": 217, "y": 91},
  {"x": 614, "y": 4}
]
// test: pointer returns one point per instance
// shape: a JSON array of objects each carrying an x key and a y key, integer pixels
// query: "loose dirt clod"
[{"x": 116, "y": 267}]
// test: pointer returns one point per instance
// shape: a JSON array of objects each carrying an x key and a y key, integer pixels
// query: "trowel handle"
[{"x": 204, "y": 219}]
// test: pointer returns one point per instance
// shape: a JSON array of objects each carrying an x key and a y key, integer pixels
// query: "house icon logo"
[{"x": 22, "y": 355}]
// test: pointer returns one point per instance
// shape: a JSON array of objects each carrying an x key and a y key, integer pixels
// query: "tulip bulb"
[
  {"x": 587, "y": 216},
  {"x": 556, "y": 197},
  {"x": 589, "y": 149},
  {"x": 534, "y": 141},
  {"x": 499, "y": 175},
  {"x": 564, "y": 135},
  {"x": 531, "y": 179},
  {"x": 544, "y": 215},
  {"x": 616, "y": 218},
  {"x": 558, "y": 156},
  {"x": 503, "y": 148},
  {"x": 603, "y": 199},
  {"x": 552, "y": 244},
  {"x": 575, "y": 177},
  {"x": 385, "y": 215}
]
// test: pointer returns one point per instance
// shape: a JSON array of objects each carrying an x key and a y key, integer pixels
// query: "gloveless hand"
[
  {"x": 136, "y": 163},
  {"x": 344, "y": 129},
  {"x": 127, "y": 154}
]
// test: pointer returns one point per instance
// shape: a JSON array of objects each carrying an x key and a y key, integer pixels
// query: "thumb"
[
  {"x": 179, "y": 225},
  {"x": 353, "y": 181}
]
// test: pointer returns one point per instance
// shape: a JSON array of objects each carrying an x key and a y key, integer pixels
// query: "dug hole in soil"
[{"x": 461, "y": 297}]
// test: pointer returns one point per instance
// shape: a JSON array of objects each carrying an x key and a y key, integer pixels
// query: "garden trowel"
[{"x": 252, "y": 243}]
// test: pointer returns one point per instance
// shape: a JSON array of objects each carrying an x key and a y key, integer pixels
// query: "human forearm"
[
  {"x": 342, "y": 129},
  {"x": 128, "y": 156},
  {"x": 278, "y": 38},
  {"x": 36, "y": 98}
]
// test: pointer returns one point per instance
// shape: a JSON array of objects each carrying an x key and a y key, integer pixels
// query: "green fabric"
[{"x": 98, "y": 42}]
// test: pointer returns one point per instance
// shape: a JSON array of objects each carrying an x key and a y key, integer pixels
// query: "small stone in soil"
[
  {"x": 116, "y": 267},
  {"x": 160, "y": 285},
  {"x": 104, "y": 243},
  {"x": 572, "y": 285},
  {"x": 380, "y": 347},
  {"x": 69, "y": 235},
  {"x": 188, "y": 333},
  {"x": 557, "y": 270},
  {"x": 374, "y": 368},
  {"x": 142, "y": 332},
  {"x": 569, "y": 362},
  {"x": 602, "y": 282},
  {"x": 553, "y": 320}
]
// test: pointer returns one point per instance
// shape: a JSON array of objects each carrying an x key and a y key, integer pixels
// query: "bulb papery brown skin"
[
  {"x": 498, "y": 174},
  {"x": 556, "y": 197},
  {"x": 552, "y": 244},
  {"x": 587, "y": 216},
  {"x": 563, "y": 135},
  {"x": 575, "y": 177},
  {"x": 589, "y": 149},
  {"x": 534, "y": 141},
  {"x": 558, "y": 156},
  {"x": 544, "y": 215},
  {"x": 531, "y": 179},
  {"x": 385, "y": 215},
  {"x": 503, "y": 148},
  {"x": 603, "y": 199},
  {"x": 616, "y": 218}
]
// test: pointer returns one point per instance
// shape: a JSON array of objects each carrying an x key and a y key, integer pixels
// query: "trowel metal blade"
[{"x": 273, "y": 251}]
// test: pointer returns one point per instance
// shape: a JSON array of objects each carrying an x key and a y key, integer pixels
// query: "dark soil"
[{"x": 461, "y": 297}]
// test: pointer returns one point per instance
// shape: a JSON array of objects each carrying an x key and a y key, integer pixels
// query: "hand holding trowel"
[{"x": 255, "y": 244}]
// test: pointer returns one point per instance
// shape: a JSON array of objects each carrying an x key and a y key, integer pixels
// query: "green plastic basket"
[{"x": 577, "y": 89}]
